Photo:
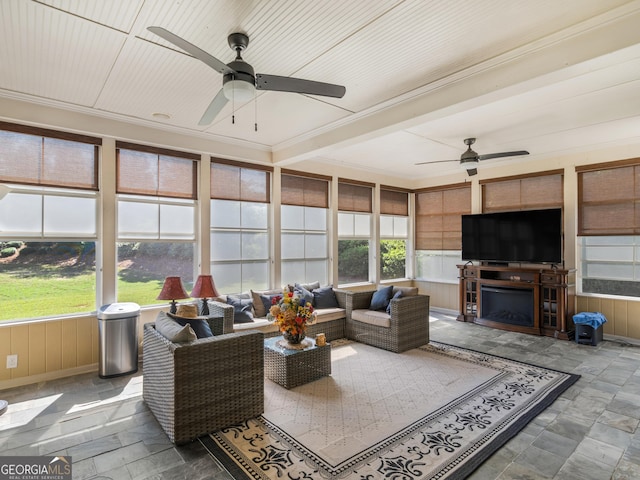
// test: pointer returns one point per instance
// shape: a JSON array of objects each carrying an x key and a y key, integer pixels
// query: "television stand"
[{"x": 535, "y": 300}]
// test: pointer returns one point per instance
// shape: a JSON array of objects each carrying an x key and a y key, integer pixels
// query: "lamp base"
[
  {"x": 173, "y": 308},
  {"x": 204, "y": 309}
]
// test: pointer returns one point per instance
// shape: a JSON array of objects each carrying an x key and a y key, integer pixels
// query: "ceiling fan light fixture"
[
  {"x": 239, "y": 90},
  {"x": 469, "y": 163}
]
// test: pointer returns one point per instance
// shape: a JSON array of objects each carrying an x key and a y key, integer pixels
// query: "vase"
[{"x": 293, "y": 339}]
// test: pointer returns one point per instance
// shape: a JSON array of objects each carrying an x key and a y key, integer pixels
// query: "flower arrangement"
[{"x": 291, "y": 315}]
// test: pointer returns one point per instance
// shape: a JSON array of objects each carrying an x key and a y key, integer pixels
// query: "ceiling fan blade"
[
  {"x": 472, "y": 171},
  {"x": 437, "y": 161},
  {"x": 214, "y": 108},
  {"x": 502, "y": 154},
  {"x": 197, "y": 52},
  {"x": 298, "y": 85}
]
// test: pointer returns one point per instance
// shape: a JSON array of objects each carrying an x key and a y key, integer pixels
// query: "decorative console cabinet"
[{"x": 520, "y": 299}]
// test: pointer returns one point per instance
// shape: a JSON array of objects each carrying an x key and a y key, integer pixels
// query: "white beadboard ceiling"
[{"x": 551, "y": 77}]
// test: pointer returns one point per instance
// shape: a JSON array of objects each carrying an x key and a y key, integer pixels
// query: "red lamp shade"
[
  {"x": 172, "y": 290},
  {"x": 204, "y": 288}
]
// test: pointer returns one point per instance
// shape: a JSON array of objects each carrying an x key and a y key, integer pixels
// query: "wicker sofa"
[
  {"x": 199, "y": 387},
  {"x": 330, "y": 321},
  {"x": 406, "y": 326}
]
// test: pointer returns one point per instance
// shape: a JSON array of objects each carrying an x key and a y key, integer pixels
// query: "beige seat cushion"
[
  {"x": 328, "y": 314},
  {"x": 372, "y": 317},
  {"x": 261, "y": 324}
]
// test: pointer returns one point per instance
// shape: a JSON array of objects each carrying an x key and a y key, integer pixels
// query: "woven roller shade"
[
  {"x": 232, "y": 182},
  {"x": 393, "y": 202},
  {"x": 439, "y": 217},
  {"x": 151, "y": 174},
  {"x": 609, "y": 201},
  {"x": 37, "y": 160},
  {"x": 354, "y": 198},
  {"x": 528, "y": 193},
  {"x": 304, "y": 191}
]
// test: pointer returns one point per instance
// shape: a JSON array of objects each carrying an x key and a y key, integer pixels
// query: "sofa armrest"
[
  {"x": 341, "y": 296},
  {"x": 414, "y": 308},
  {"x": 224, "y": 310}
]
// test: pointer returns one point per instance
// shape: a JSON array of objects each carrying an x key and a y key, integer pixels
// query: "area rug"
[{"x": 435, "y": 412}]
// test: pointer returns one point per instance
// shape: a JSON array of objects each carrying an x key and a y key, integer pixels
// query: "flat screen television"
[{"x": 528, "y": 236}]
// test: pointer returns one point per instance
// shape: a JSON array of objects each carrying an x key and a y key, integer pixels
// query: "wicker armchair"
[
  {"x": 408, "y": 324},
  {"x": 196, "y": 388}
]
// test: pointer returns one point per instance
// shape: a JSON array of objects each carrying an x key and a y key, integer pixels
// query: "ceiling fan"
[
  {"x": 239, "y": 82},
  {"x": 469, "y": 159}
]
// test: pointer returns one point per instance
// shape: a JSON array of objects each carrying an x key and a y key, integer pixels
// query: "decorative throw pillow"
[
  {"x": 381, "y": 297},
  {"x": 406, "y": 291},
  {"x": 304, "y": 294},
  {"x": 258, "y": 305},
  {"x": 199, "y": 325},
  {"x": 267, "y": 302},
  {"x": 308, "y": 286},
  {"x": 241, "y": 309},
  {"x": 324, "y": 298},
  {"x": 398, "y": 294},
  {"x": 172, "y": 330}
]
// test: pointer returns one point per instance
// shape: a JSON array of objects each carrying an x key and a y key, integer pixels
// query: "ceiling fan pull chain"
[
  {"x": 233, "y": 102},
  {"x": 255, "y": 112}
]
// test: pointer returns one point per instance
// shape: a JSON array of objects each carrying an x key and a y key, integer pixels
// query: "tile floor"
[{"x": 589, "y": 433}]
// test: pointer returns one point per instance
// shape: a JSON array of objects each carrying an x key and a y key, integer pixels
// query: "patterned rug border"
[{"x": 471, "y": 456}]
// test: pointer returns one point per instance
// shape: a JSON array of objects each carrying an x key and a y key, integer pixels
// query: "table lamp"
[
  {"x": 204, "y": 289},
  {"x": 172, "y": 290}
]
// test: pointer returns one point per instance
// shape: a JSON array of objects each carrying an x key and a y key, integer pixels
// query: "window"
[
  {"x": 354, "y": 231},
  {"x": 240, "y": 199},
  {"x": 394, "y": 232},
  {"x": 48, "y": 222},
  {"x": 609, "y": 228},
  {"x": 304, "y": 232},
  {"x": 156, "y": 220},
  {"x": 439, "y": 231}
]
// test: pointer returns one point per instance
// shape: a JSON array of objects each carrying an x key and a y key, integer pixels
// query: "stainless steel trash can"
[{"x": 118, "y": 339}]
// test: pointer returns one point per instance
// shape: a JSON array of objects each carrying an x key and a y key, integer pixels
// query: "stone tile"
[
  {"x": 557, "y": 444},
  {"x": 83, "y": 469},
  {"x": 614, "y": 375},
  {"x": 610, "y": 435},
  {"x": 579, "y": 467},
  {"x": 600, "y": 451},
  {"x": 541, "y": 461},
  {"x": 632, "y": 454},
  {"x": 621, "y": 422},
  {"x": 570, "y": 427},
  {"x": 586, "y": 408},
  {"x": 516, "y": 471},
  {"x": 626, "y": 471},
  {"x": 91, "y": 448},
  {"x": 116, "y": 458},
  {"x": 625, "y": 404},
  {"x": 156, "y": 463},
  {"x": 517, "y": 444}
]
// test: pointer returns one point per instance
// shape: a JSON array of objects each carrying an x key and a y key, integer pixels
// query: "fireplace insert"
[{"x": 513, "y": 306}]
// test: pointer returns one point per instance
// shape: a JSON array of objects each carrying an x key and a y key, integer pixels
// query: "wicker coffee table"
[{"x": 291, "y": 368}]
